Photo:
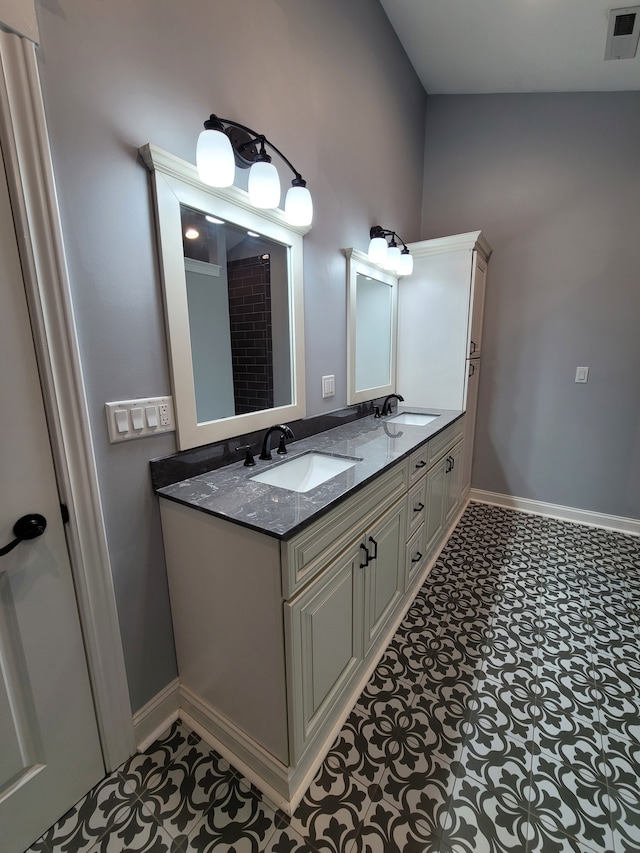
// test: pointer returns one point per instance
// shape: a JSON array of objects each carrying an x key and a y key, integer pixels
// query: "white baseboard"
[
  {"x": 565, "y": 513},
  {"x": 157, "y": 715}
]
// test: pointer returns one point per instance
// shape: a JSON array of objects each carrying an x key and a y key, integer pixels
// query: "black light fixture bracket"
[
  {"x": 249, "y": 145},
  {"x": 378, "y": 231}
]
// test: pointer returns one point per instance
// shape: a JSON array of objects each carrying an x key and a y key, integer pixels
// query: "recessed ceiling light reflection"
[
  {"x": 213, "y": 220},
  {"x": 191, "y": 234},
  {"x": 253, "y": 233}
]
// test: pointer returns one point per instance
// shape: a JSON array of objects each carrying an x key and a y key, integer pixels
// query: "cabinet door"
[
  {"x": 454, "y": 472},
  {"x": 473, "y": 382},
  {"x": 476, "y": 306},
  {"x": 324, "y": 636},
  {"x": 384, "y": 576},
  {"x": 415, "y": 555},
  {"x": 437, "y": 488}
]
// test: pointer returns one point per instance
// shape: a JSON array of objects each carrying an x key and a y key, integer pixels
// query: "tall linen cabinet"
[{"x": 440, "y": 311}]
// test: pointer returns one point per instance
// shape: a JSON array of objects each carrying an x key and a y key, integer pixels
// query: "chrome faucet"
[
  {"x": 386, "y": 406},
  {"x": 284, "y": 430}
]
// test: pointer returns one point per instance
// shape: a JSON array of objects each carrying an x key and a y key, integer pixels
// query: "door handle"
[
  {"x": 473, "y": 348},
  {"x": 417, "y": 557},
  {"x": 472, "y": 368},
  {"x": 28, "y": 527},
  {"x": 419, "y": 507},
  {"x": 367, "y": 559}
]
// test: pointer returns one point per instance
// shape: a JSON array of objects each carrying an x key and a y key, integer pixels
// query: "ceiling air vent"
[{"x": 623, "y": 32}]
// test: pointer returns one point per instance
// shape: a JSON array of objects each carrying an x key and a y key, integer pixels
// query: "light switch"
[
  {"x": 152, "y": 416},
  {"x": 328, "y": 386},
  {"x": 136, "y": 417},
  {"x": 582, "y": 374},
  {"x": 122, "y": 420},
  {"x": 144, "y": 417}
]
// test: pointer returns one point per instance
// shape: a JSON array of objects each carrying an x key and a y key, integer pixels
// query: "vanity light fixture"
[
  {"x": 388, "y": 254},
  {"x": 225, "y": 144}
]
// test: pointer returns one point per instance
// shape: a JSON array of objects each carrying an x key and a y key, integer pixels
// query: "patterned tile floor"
[{"x": 504, "y": 716}]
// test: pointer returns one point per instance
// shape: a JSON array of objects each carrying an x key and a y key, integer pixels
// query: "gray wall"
[
  {"x": 554, "y": 183},
  {"x": 329, "y": 84}
]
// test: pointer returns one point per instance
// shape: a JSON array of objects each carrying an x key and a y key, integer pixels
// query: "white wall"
[
  {"x": 554, "y": 183},
  {"x": 329, "y": 83}
]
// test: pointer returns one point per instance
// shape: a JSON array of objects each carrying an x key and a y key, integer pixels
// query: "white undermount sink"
[
  {"x": 413, "y": 419},
  {"x": 307, "y": 471}
]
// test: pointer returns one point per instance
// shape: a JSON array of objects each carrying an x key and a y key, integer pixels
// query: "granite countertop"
[{"x": 230, "y": 493}]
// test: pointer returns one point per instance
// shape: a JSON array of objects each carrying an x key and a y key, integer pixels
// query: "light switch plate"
[
  {"x": 582, "y": 374},
  {"x": 329, "y": 386},
  {"x": 145, "y": 406}
]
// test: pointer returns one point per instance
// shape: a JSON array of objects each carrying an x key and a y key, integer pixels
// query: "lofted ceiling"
[{"x": 482, "y": 46}]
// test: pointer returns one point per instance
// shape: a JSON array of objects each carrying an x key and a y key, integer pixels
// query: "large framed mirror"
[
  {"x": 233, "y": 295},
  {"x": 372, "y": 299}
]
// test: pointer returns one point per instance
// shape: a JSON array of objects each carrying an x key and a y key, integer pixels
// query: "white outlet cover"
[{"x": 160, "y": 403}]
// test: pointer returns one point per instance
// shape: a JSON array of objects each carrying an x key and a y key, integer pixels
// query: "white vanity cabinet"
[
  {"x": 440, "y": 316},
  {"x": 332, "y": 625},
  {"x": 435, "y": 496},
  {"x": 276, "y": 638}
]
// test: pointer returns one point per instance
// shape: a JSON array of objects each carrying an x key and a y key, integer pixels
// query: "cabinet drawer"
[
  {"x": 418, "y": 463},
  {"x": 441, "y": 443},
  {"x": 416, "y": 554},
  {"x": 416, "y": 503},
  {"x": 306, "y": 554}
]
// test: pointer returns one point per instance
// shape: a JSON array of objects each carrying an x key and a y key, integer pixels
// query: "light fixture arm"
[
  {"x": 378, "y": 231},
  {"x": 242, "y": 146}
]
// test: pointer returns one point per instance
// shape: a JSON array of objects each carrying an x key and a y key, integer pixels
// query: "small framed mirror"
[
  {"x": 371, "y": 329},
  {"x": 233, "y": 296}
]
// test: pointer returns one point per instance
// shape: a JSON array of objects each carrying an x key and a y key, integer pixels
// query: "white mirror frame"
[
  {"x": 359, "y": 263},
  {"x": 175, "y": 182}
]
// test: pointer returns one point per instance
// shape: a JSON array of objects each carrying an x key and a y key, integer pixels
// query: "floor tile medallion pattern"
[{"x": 504, "y": 716}]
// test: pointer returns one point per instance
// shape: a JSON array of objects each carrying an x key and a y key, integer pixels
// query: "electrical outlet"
[{"x": 129, "y": 419}]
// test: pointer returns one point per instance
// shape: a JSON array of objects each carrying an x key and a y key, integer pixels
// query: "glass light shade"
[
  {"x": 392, "y": 260},
  {"x": 378, "y": 250},
  {"x": 214, "y": 159},
  {"x": 298, "y": 207},
  {"x": 405, "y": 266},
  {"x": 264, "y": 185}
]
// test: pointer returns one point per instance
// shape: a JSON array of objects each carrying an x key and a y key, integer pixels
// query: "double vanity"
[{"x": 288, "y": 579}]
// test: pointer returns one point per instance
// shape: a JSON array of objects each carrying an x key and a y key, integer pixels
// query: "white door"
[{"x": 49, "y": 747}]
